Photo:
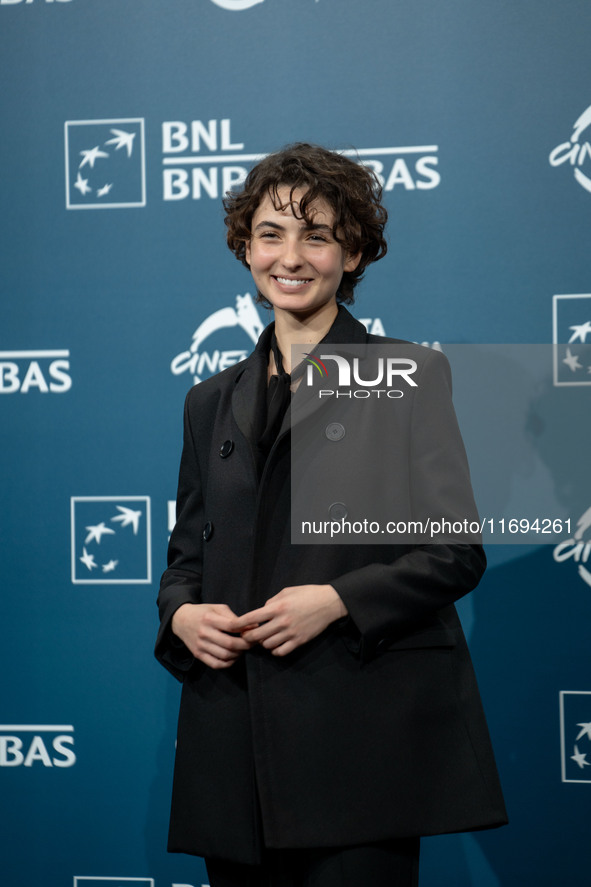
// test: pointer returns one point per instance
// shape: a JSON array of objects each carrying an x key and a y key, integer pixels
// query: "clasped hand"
[{"x": 216, "y": 636}]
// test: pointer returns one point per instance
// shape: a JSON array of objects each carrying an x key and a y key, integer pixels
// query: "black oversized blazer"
[{"x": 372, "y": 730}]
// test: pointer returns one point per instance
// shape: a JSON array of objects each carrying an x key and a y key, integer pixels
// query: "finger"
[
  {"x": 255, "y": 616},
  {"x": 207, "y": 635},
  {"x": 219, "y": 652},
  {"x": 221, "y": 622},
  {"x": 235, "y": 642},
  {"x": 276, "y": 640},
  {"x": 262, "y": 633},
  {"x": 249, "y": 628},
  {"x": 230, "y": 642},
  {"x": 215, "y": 625},
  {"x": 285, "y": 648},
  {"x": 213, "y": 662}
]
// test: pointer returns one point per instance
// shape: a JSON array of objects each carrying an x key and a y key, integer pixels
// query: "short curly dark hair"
[{"x": 351, "y": 190}]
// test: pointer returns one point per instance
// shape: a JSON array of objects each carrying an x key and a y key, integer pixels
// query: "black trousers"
[{"x": 385, "y": 864}]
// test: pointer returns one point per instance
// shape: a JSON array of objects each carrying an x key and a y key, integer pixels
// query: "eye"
[{"x": 318, "y": 238}]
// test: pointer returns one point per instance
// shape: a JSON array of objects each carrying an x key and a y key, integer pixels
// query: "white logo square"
[
  {"x": 571, "y": 334},
  {"x": 575, "y": 735},
  {"x": 111, "y": 540},
  {"x": 105, "y": 163}
]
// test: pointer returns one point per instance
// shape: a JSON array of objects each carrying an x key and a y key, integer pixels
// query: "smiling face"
[{"x": 296, "y": 265}]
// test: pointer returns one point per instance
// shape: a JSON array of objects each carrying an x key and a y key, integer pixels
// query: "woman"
[{"x": 329, "y": 714}]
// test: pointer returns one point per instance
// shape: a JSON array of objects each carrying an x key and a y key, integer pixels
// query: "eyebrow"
[{"x": 307, "y": 227}]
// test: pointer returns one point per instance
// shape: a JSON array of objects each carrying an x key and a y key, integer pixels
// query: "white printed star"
[
  {"x": 580, "y": 332},
  {"x": 88, "y": 560},
  {"x": 128, "y": 516},
  {"x": 572, "y": 361},
  {"x": 90, "y": 156},
  {"x": 97, "y": 532},
  {"x": 586, "y": 731},
  {"x": 82, "y": 184},
  {"x": 104, "y": 190},
  {"x": 122, "y": 140},
  {"x": 579, "y": 758},
  {"x": 108, "y": 568}
]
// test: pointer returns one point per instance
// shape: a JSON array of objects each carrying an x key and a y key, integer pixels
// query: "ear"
[
  {"x": 247, "y": 250},
  {"x": 352, "y": 261}
]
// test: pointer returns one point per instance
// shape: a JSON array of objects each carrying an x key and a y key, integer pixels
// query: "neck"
[{"x": 301, "y": 332}]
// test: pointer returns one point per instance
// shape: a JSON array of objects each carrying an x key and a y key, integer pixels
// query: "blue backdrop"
[{"x": 122, "y": 126}]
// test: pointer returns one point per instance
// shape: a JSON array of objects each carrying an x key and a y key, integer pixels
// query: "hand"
[
  {"x": 209, "y": 632},
  {"x": 292, "y": 618}
]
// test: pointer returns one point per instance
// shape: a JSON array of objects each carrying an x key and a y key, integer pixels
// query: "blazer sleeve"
[
  {"x": 181, "y": 582},
  {"x": 388, "y": 600}
]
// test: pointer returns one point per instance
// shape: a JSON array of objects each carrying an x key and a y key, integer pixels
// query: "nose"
[{"x": 291, "y": 256}]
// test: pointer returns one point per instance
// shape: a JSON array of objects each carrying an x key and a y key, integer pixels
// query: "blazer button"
[
  {"x": 207, "y": 531},
  {"x": 337, "y": 511},
  {"x": 226, "y": 448},
  {"x": 335, "y": 431}
]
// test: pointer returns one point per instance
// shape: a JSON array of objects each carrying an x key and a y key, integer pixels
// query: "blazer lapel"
[{"x": 248, "y": 397}]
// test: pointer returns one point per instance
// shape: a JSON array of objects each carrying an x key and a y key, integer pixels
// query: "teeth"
[{"x": 289, "y": 282}]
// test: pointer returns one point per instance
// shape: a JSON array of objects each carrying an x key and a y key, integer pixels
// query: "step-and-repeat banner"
[{"x": 123, "y": 124}]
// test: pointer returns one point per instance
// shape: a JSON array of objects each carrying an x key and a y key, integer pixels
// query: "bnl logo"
[
  {"x": 571, "y": 321},
  {"x": 111, "y": 540},
  {"x": 105, "y": 163},
  {"x": 575, "y": 735}
]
